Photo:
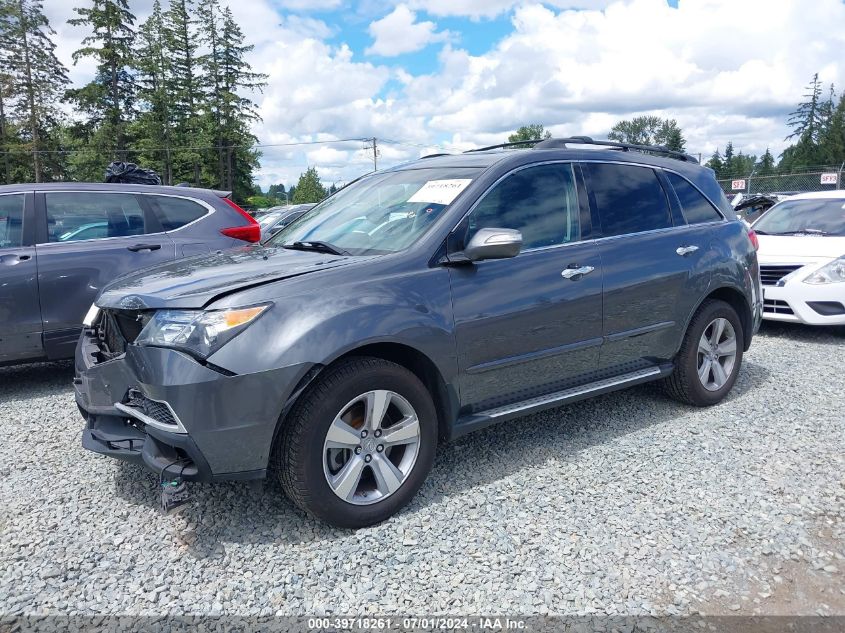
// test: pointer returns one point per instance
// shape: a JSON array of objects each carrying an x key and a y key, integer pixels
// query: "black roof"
[{"x": 487, "y": 158}]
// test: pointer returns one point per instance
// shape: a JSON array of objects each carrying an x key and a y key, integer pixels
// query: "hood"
[
  {"x": 194, "y": 282},
  {"x": 799, "y": 249}
]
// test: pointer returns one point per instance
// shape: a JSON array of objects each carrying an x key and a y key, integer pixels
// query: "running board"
[{"x": 481, "y": 419}]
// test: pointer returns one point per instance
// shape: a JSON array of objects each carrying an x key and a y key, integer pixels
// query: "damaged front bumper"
[{"x": 177, "y": 417}]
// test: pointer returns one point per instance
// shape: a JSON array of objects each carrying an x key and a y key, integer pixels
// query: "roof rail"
[
  {"x": 504, "y": 145},
  {"x": 561, "y": 143}
]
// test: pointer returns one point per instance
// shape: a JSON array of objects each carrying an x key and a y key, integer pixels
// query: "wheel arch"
[
  {"x": 412, "y": 359},
  {"x": 736, "y": 299}
]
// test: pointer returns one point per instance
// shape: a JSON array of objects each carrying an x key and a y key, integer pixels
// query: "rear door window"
[
  {"x": 174, "y": 213},
  {"x": 630, "y": 198},
  {"x": 11, "y": 220},
  {"x": 85, "y": 215},
  {"x": 696, "y": 208}
]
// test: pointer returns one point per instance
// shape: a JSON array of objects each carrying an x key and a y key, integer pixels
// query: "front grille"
[
  {"x": 158, "y": 411},
  {"x": 112, "y": 342},
  {"x": 776, "y": 306},
  {"x": 770, "y": 275},
  {"x": 117, "y": 328}
]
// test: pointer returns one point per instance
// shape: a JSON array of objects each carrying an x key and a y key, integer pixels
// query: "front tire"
[
  {"x": 359, "y": 443},
  {"x": 708, "y": 362}
]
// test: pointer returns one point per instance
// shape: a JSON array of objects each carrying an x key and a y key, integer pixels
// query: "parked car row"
[{"x": 417, "y": 304}]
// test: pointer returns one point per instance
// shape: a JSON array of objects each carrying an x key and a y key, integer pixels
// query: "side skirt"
[{"x": 475, "y": 421}]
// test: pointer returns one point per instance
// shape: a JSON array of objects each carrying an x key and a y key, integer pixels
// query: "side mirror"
[{"x": 493, "y": 244}]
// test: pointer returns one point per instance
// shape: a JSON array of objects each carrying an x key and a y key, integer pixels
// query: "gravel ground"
[{"x": 625, "y": 504}]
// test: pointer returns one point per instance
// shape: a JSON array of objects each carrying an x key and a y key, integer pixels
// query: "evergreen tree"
[
  {"x": 728, "y": 163},
  {"x": 153, "y": 127},
  {"x": 716, "y": 164},
  {"x": 309, "y": 188},
  {"x": 833, "y": 142},
  {"x": 766, "y": 165},
  {"x": 8, "y": 137},
  {"x": 183, "y": 86},
  {"x": 108, "y": 100},
  {"x": 211, "y": 62},
  {"x": 806, "y": 120},
  {"x": 37, "y": 78},
  {"x": 743, "y": 165},
  {"x": 237, "y": 112},
  {"x": 808, "y": 125}
]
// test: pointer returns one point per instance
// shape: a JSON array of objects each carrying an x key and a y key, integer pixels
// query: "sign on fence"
[
  {"x": 737, "y": 185},
  {"x": 830, "y": 179}
]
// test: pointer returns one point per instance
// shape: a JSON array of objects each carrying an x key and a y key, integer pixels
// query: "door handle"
[
  {"x": 143, "y": 247},
  {"x": 685, "y": 250},
  {"x": 577, "y": 273},
  {"x": 11, "y": 260}
]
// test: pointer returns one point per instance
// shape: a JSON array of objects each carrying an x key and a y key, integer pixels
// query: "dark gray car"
[
  {"x": 61, "y": 243},
  {"x": 418, "y": 304}
]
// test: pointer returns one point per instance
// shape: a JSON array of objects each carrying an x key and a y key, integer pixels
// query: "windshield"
[
  {"x": 382, "y": 213},
  {"x": 813, "y": 217}
]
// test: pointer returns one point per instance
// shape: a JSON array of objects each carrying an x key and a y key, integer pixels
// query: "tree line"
[
  {"x": 309, "y": 188},
  {"x": 168, "y": 93}
]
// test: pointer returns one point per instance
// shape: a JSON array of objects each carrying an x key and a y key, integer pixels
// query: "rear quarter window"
[
  {"x": 174, "y": 213},
  {"x": 696, "y": 208}
]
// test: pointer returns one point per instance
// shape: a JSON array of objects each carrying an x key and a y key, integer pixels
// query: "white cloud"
[
  {"x": 477, "y": 9},
  {"x": 725, "y": 70},
  {"x": 709, "y": 63},
  {"x": 399, "y": 32},
  {"x": 309, "y": 5}
]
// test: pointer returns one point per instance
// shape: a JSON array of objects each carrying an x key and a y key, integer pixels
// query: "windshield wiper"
[
  {"x": 801, "y": 232},
  {"x": 316, "y": 245}
]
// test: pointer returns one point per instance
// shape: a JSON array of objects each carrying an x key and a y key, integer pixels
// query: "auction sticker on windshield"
[{"x": 440, "y": 191}]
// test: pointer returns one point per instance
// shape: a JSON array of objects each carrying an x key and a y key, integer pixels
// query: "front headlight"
[
  {"x": 831, "y": 273},
  {"x": 199, "y": 332}
]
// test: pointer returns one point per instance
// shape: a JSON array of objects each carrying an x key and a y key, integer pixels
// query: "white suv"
[{"x": 802, "y": 259}]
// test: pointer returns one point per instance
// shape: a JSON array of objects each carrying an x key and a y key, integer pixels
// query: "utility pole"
[{"x": 373, "y": 146}]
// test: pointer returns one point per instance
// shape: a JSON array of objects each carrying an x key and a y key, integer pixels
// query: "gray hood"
[{"x": 194, "y": 282}]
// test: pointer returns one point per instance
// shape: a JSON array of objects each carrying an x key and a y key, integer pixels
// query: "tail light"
[
  {"x": 754, "y": 241},
  {"x": 251, "y": 232}
]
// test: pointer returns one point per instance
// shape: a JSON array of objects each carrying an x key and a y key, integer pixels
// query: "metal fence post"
[{"x": 839, "y": 176}]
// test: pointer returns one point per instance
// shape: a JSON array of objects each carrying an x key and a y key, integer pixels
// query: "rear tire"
[
  {"x": 360, "y": 409},
  {"x": 708, "y": 362}
]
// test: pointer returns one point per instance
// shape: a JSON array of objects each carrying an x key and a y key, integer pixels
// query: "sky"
[{"x": 426, "y": 76}]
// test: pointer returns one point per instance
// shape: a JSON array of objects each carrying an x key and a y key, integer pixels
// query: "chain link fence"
[{"x": 820, "y": 178}]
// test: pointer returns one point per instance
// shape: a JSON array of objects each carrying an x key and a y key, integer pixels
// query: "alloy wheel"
[
  {"x": 371, "y": 447},
  {"x": 716, "y": 354}
]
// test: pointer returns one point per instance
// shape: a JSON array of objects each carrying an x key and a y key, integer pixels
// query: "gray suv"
[
  {"x": 418, "y": 304},
  {"x": 61, "y": 243}
]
